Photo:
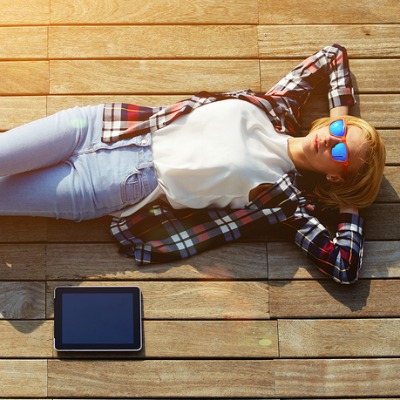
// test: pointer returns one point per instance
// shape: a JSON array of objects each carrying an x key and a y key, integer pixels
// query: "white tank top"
[{"x": 215, "y": 155}]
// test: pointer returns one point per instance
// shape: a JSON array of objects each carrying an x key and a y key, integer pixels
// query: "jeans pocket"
[{"x": 132, "y": 189}]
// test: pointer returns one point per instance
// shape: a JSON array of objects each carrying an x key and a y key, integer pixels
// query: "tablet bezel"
[{"x": 136, "y": 345}]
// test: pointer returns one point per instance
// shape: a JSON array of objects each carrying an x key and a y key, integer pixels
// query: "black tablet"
[{"x": 97, "y": 319}]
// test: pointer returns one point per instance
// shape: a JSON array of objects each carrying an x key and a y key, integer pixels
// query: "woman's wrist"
[
  {"x": 348, "y": 210},
  {"x": 338, "y": 112}
]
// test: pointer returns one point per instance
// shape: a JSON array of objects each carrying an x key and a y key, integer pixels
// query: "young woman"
[{"x": 205, "y": 171}]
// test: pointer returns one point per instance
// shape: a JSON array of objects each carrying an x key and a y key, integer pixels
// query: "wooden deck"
[{"x": 253, "y": 319}]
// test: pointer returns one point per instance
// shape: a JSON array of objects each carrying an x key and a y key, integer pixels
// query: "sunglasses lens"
[
  {"x": 337, "y": 128},
  {"x": 339, "y": 152}
]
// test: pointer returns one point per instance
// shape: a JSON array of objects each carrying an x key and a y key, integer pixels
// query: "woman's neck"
[{"x": 296, "y": 153}]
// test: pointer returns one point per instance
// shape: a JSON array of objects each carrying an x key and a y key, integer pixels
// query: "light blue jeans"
[{"x": 58, "y": 167}]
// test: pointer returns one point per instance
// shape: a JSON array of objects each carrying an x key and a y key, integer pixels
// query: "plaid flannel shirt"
[{"x": 160, "y": 234}]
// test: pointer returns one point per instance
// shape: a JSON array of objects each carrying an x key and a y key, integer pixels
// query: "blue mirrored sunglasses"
[{"x": 340, "y": 152}]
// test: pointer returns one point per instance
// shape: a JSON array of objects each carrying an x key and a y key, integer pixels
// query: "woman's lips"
[{"x": 316, "y": 143}]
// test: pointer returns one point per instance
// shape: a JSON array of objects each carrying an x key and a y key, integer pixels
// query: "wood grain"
[
  {"x": 11, "y": 116},
  {"x": 336, "y": 378},
  {"x": 22, "y": 78},
  {"x": 151, "y": 76},
  {"x": 181, "y": 378},
  {"x": 339, "y": 338},
  {"x": 390, "y": 187},
  {"x": 366, "y": 41},
  {"x": 22, "y": 300},
  {"x": 340, "y": 12},
  {"x": 154, "y": 12},
  {"x": 320, "y": 299},
  {"x": 26, "y": 42},
  {"x": 22, "y": 229},
  {"x": 141, "y": 42},
  {"x": 392, "y": 142},
  {"x": 191, "y": 300},
  {"x": 26, "y": 339},
  {"x": 24, "y": 262},
  {"x": 383, "y": 221},
  {"x": 102, "y": 261},
  {"x": 23, "y": 378},
  {"x": 25, "y": 12},
  {"x": 226, "y": 339}
]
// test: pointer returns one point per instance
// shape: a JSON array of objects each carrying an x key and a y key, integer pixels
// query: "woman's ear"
[{"x": 335, "y": 178}]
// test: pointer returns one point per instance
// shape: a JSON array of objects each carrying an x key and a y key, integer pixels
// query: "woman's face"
[{"x": 317, "y": 146}]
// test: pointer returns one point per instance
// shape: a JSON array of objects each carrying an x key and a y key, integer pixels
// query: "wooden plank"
[
  {"x": 25, "y": 12},
  {"x": 339, "y": 338},
  {"x": 365, "y": 78},
  {"x": 191, "y": 300},
  {"x": 300, "y": 41},
  {"x": 151, "y": 76},
  {"x": 317, "y": 299},
  {"x": 392, "y": 142},
  {"x": 385, "y": 116},
  {"x": 312, "y": 11},
  {"x": 224, "y": 339},
  {"x": 22, "y": 262},
  {"x": 22, "y": 229},
  {"x": 19, "y": 78},
  {"x": 102, "y": 261},
  {"x": 390, "y": 187},
  {"x": 154, "y": 12},
  {"x": 22, "y": 300},
  {"x": 168, "y": 41},
  {"x": 97, "y": 230},
  {"x": 33, "y": 107},
  {"x": 381, "y": 260},
  {"x": 337, "y": 378},
  {"x": 23, "y": 378},
  {"x": 26, "y": 339},
  {"x": 23, "y": 43},
  {"x": 164, "y": 378},
  {"x": 383, "y": 221}
]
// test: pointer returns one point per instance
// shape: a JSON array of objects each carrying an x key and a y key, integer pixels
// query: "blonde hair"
[{"x": 359, "y": 188}]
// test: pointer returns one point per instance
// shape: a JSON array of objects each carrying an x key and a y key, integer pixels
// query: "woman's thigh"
[
  {"x": 87, "y": 186},
  {"x": 48, "y": 141}
]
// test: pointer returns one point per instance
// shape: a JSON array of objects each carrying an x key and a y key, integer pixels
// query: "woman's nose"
[{"x": 331, "y": 141}]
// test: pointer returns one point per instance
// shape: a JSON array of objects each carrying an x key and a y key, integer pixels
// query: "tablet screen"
[{"x": 97, "y": 318}]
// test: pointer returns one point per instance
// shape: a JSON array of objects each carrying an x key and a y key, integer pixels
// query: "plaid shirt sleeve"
[
  {"x": 340, "y": 257},
  {"x": 331, "y": 63}
]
